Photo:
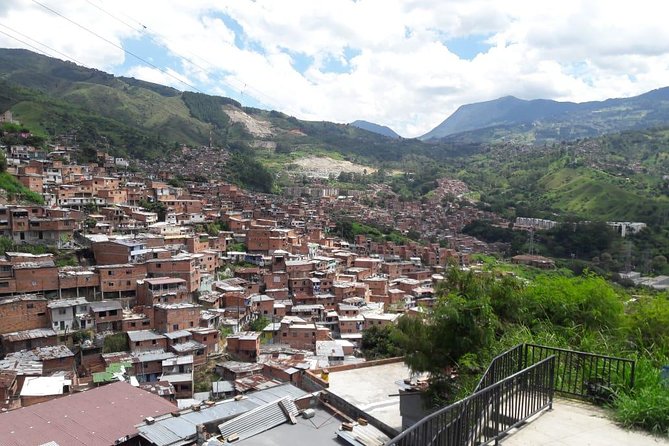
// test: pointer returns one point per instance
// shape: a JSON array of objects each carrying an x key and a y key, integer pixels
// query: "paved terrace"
[
  {"x": 368, "y": 389},
  {"x": 573, "y": 423}
]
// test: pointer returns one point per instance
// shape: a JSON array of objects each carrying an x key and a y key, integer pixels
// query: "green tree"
[
  {"x": 259, "y": 324},
  {"x": 378, "y": 342},
  {"x": 459, "y": 330},
  {"x": 659, "y": 263},
  {"x": 117, "y": 342}
]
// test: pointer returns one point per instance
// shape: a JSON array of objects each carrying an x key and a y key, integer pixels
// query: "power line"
[
  {"x": 40, "y": 51},
  {"x": 26, "y": 43},
  {"x": 39, "y": 43},
  {"x": 145, "y": 30},
  {"x": 118, "y": 46}
]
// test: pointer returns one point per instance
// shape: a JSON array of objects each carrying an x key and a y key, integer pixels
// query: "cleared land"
[{"x": 323, "y": 167}]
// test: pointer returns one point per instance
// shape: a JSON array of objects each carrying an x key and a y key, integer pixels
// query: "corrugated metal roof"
[
  {"x": 177, "y": 431},
  {"x": 222, "y": 386},
  {"x": 105, "y": 305},
  {"x": 143, "y": 335},
  {"x": 187, "y": 346},
  {"x": 276, "y": 392},
  {"x": 178, "y": 334},
  {"x": 174, "y": 431},
  {"x": 97, "y": 416},
  {"x": 156, "y": 355},
  {"x": 259, "y": 419}
]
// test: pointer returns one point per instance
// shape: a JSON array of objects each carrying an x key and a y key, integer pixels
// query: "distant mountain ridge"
[
  {"x": 145, "y": 120},
  {"x": 510, "y": 118},
  {"x": 375, "y": 128}
]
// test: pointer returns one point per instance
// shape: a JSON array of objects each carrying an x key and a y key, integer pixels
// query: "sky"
[{"x": 405, "y": 64}]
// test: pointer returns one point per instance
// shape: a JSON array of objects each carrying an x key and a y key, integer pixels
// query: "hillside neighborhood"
[{"x": 199, "y": 293}]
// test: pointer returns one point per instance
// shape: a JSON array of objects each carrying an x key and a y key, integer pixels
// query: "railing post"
[
  {"x": 632, "y": 375},
  {"x": 496, "y": 410},
  {"x": 551, "y": 387}
]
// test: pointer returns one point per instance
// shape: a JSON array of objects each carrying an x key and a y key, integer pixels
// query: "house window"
[
  {"x": 136, "y": 344},
  {"x": 110, "y": 273},
  {"x": 153, "y": 341},
  {"x": 158, "y": 265},
  {"x": 175, "y": 327},
  {"x": 30, "y": 306}
]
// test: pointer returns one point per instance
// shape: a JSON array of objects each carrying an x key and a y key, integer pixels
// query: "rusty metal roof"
[{"x": 101, "y": 415}]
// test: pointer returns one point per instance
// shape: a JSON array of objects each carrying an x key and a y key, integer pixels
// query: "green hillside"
[
  {"x": 54, "y": 97},
  {"x": 511, "y": 119},
  {"x": 613, "y": 177}
]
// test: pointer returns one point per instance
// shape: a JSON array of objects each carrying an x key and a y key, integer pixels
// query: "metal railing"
[
  {"x": 514, "y": 388},
  {"x": 489, "y": 413},
  {"x": 503, "y": 366},
  {"x": 585, "y": 375}
]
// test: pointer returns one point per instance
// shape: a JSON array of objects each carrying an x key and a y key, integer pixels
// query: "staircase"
[{"x": 517, "y": 385}]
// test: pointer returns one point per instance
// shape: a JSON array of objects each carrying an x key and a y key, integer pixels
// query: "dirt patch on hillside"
[
  {"x": 257, "y": 127},
  {"x": 322, "y": 167}
]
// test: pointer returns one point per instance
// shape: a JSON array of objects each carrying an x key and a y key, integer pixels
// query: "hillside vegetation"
[
  {"x": 541, "y": 120},
  {"x": 619, "y": 176}
]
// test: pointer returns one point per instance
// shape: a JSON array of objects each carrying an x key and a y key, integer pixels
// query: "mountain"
[
  {"x": 141, "y": 119},
  {"x": 542, "y": 120},
  {"x": 376, "y": 128}
]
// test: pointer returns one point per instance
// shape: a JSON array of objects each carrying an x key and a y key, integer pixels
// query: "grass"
[
  {"x": 17, "y": 190},
  {"x": 647, "y": 405}
]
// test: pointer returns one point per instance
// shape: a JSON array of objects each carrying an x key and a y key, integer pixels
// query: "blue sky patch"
[
  {"x": 468, "y": 47},
  {"x": 145, "y": 48}
]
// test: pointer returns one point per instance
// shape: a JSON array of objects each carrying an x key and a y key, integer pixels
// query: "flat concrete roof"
[
  {"x": 574, "y": 423},
  {"x": 368, "y": 388}
]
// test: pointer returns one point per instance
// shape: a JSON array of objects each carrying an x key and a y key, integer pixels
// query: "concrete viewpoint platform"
[
  {"x": 369, "y": 389},
  {"x": 573, "y": 423}
]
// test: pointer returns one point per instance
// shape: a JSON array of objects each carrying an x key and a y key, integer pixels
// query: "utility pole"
[
  {"x": 628, "y": 257},
  {"x": 532, "y": 240}
]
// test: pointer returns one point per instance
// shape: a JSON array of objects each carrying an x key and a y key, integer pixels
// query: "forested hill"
[
  {"x": 375, "y": 128},
  {"x": 538, "y": 121},
  {"x": 53, "y": 97}
]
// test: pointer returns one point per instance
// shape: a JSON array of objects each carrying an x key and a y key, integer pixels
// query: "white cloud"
[
  {"x": 403, "y": 73},
  {"x": 167, "y": 76}
]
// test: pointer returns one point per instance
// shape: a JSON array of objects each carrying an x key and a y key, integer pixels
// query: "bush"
[
  {"x": 259, "y": 324},
  {"x": 117, "y": 342},
  {"x": 647, "y": 405},
  {"x": 648, "y": 324},
  {"x": 377, "y": 343}
]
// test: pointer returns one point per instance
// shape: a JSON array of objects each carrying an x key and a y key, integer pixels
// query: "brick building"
[
  {"x": 23, "y": 313},
  {"x": 175, "y": 317}
]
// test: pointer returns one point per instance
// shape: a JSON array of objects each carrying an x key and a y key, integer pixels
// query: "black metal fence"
[
  {"x": 503, "y": 366},
  {"x": 586, "y": 375},
  {"x": 489, "y": 413},
  {"x": 518, "y": 384}
]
